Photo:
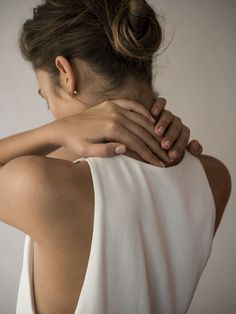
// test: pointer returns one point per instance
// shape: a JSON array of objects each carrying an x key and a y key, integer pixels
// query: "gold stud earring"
[{"x": 75, "y": 92}]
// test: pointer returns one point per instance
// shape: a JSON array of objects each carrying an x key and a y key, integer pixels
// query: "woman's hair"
[{"x": 116, "y": 38}]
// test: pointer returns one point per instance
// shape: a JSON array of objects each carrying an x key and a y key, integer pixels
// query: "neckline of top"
[{"x": 141, "y": 162}]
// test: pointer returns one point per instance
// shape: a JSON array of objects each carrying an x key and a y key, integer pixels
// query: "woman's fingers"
[
  {"x": 134, "y": 106},
  {"x": 180, "y": 144},
  {"x": 104, "y": 150},
  {"x": 139, "y": 120},
  {"x": 172, "y": 133},
  {"x": 149, "y": 139},
  {"x": 158, "y": 106},
  {"x": 145, "y": 141},
  {"x": 123, "y": 135},
  {"x": 195, "y": 148},
  {"x": 130, "y": 105},
  {"x": 143, "y": 129},
  {"x": 165, "y": 120}
]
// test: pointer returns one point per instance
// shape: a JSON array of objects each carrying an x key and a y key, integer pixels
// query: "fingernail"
[
  {"x": 174, "y": 154},
  {"x": 120, "y": 149},
  {"x": 155, "y": 112},
  {"x": 162, "y": 164},
  {"x": 159, "y": 131},
  {"x": 166, "y": 144}
]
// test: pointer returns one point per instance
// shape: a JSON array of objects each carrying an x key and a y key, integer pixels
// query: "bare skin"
[
  {"x": 66, "y": 201},
  {"x": 76, "y": 256},
  {"x": 53, "y": 203}
]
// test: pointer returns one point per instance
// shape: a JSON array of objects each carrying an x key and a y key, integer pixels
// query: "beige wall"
[
  {"x": 199, "y": 81},
  {"x": 197, "y": 76}
]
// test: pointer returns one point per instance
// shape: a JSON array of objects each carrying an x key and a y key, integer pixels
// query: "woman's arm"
[
  {"x": 89, "y": 133},
  {"x": 174, "y": 131},
  {"x": 33, "y": 142},
  {"x": 37, "y": 141},
  {"x": 41, "y": 141}
]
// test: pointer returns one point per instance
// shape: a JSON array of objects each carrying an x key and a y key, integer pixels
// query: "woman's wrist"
[
  {"x": 51, "y": 134},
  {"x": 56, "y": 133},
  {"x": 38, "y": 141}
]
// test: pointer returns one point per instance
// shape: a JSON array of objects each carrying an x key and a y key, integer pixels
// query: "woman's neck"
[
  {"x": 93, "y": 94},
  {"x": 93, "y": 91}
]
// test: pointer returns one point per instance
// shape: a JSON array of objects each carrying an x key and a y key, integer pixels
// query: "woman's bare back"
[
  {"x": 63, "y": 260},
  {"x": 220, "y": 182}
]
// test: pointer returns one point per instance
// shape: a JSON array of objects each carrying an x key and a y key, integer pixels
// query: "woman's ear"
[{"x": 67, "y": 77}]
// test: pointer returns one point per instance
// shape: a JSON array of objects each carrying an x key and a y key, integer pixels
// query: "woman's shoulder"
[
  {"x": 219, "y": 179},
  {"x": 40, "y": 192}
]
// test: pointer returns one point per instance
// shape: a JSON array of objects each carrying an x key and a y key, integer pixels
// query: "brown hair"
[{"x": 116, "y": 38}]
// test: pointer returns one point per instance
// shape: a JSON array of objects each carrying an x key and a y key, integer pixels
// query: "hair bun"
[{"x": 136, "y": 31}]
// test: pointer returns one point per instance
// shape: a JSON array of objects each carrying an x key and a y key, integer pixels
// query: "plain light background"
[{"x": 197, "y": 75}]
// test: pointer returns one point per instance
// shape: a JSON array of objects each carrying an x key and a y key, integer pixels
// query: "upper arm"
[
  {"x": 220, "y": 183},
  {"x": 38, "y": 195}
]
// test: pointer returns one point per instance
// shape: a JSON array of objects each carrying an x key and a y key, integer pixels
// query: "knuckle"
[
  {"x": 113, "y": 106},
  {"x": 115, "y": 117},
  {"x": 176, "y": 126},
  {"x": 178, "y": 119},
  {"x": 109, "y": 105},
  {"x": 106, "y": 104},
  {"x": 187, "y": 129},
  {"x": 167, "y": 112},
  {"x": 114, "y": 128},
  {"x": 111, "y": 125},
  {"x": 178, "y": 129}
]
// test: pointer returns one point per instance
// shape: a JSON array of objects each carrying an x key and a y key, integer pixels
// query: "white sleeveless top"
[{"x": 152, "y": 237}]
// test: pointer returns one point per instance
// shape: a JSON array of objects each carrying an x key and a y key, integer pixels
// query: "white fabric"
[{"x": 152, "y": 237}]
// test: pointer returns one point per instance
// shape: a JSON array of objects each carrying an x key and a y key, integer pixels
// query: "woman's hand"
[
  {"x": 171, "y": 133},
  {"x": 174, "y": 135},
  {"x": 99, "y": 130},
  {"x": 124, "y": 122}
]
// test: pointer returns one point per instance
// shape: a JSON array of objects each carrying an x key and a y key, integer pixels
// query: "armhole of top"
[{"x": 208, "y": 187}]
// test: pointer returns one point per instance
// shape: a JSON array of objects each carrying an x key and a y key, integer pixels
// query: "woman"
[{"x": 106, "y": 235}]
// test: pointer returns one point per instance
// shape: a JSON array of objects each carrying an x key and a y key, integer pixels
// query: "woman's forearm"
[{"x": 37, "y": 141}]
